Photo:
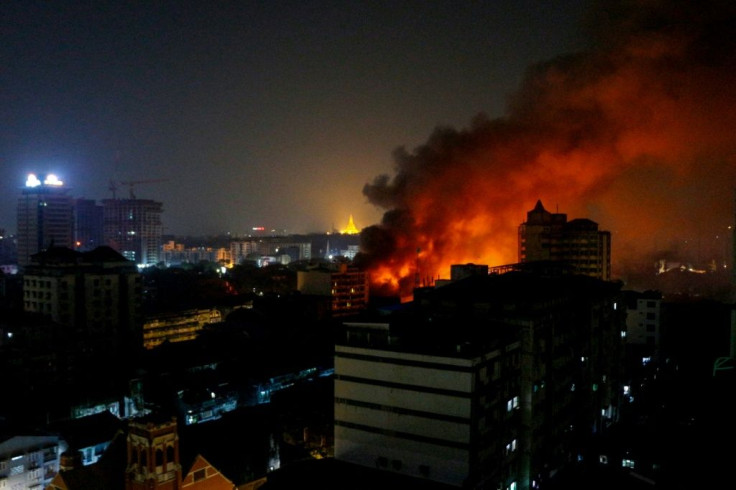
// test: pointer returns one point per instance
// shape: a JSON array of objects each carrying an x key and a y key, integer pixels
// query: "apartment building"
[
  {"x": 546, "y": 236},
  {"x": 491, "y": 381}
]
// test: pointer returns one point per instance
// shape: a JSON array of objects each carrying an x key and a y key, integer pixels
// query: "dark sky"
[{"x": 244, "y": 113}]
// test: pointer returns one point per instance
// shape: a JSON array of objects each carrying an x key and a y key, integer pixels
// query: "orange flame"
[{"x": 637, "y": 136}]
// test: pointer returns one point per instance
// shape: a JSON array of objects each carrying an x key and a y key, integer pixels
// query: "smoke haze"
[{"x": 639, "y": 135}]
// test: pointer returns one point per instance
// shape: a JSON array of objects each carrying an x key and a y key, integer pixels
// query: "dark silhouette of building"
[
  {"x": 491, "y": 381},
  {"x": 45, "y": 217},
  {"x": 95, "y": 294},
  {"x": 134, "y": 228},
  {"x": 88, "y": 220},
  {"x": 579, "y": 243}
]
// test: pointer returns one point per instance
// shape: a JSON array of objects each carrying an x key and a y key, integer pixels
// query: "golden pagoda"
[{"x": 351, "y": 229}]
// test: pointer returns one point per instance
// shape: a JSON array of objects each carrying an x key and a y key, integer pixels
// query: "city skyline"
[
  {"x": 437, "y": 126},
  {"x": 271, "y": 114}
]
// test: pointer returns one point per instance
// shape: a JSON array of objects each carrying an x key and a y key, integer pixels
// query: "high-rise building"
[
  {"x": 87, "y": 225},
  {"x": 96, "y": 294},
  {"x": 546, "y": 236},
  {"x": 45, "y": 216},
  {"x": 133, "y": 227},
  {"x": 491, "y": 381}
]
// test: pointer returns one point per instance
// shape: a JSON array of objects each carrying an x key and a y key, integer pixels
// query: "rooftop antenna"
[{"x": 416, "y": 274}]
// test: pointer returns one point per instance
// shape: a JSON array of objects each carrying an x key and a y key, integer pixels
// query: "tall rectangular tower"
[
  {"x": 45, "y": 216},
  {"x": 87, "y": 225},
  {"x": 133, "y": 227}
]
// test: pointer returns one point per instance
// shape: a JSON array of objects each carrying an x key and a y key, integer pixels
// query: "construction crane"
[
  {"x": 130, "y": 185},
  {"x": 113, "y": 187}
]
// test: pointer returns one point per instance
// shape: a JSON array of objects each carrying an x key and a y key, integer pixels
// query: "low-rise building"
[
  {"x": 28, "y": 461},
  {"x": 177, "y": 326}
]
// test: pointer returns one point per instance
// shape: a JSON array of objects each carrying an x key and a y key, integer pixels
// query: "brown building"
[
  {"x": 346, "y": 286},
  {"x": 153, "y": 456},
  {"x": 147, "y": 455}
]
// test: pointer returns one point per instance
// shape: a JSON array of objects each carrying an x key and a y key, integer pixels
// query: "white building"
[
  {"x": 28, "y": 462},
  {"x": 418, "y": 414}
]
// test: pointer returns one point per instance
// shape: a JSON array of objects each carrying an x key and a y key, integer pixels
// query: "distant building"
[
  {"x": 350, "y": 229},
  {"x": 491, "y": 381},
  {"x": 8, "y": 252},
  {"x": 177, "y": 326},
  {"x": 88, "y": 224},
  {"x": 269, "y": 250},
  {"x": 134, "y": 228},
  {"x": 45, "y": 217},
  {"x": 346, "y": 286},
  {"x": 546, "y": 236},
  {"x": 643, "y": 323},
  {"x": 175, "y": 254}
]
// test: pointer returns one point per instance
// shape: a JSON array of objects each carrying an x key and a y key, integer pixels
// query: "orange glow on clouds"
[{"x": 637, "y": 136}]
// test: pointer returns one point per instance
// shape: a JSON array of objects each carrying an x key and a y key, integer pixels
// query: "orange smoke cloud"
[{"x": 638, "y": 135}]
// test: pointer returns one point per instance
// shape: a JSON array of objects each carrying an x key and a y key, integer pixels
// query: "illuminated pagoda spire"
[{"x": 351, "y": 228}]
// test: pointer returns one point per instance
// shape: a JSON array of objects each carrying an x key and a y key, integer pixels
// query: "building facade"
[
  {"x": 346, "y": 286},
  {"x": 88, "y": 221},
  {"x": 175, "y": 254},
  {"x": 643, "y": 323},
  {"x": 177, "y": 326},
  {"x": 486, "y": 382},
  {"x": 28, "y": 461},
  {"x": 153, "y": 455},
  {"x": 45, "y": 217},
  {"x": 96, "y": 294},
  {"x": 134, "y": 228},
  {"x": 546, "y": 236}
]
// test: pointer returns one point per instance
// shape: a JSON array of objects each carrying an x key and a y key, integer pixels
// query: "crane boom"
[{"x": 131, "y": 183}]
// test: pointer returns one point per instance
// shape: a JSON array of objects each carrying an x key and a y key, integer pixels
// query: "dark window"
[
  {"x": 199, "y": 474},
  {"x": 159, "y": 457}
]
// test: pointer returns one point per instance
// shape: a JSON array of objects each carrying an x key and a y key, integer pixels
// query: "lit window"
[{"x": 627, "y": 463}]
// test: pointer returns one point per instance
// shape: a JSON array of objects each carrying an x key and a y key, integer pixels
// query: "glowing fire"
[{"x": 637, "y": 136}]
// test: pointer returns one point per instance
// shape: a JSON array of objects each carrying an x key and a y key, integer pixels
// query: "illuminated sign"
[
  {"x": 32, "y": 181},
  {"x": 51, "y": 180}
]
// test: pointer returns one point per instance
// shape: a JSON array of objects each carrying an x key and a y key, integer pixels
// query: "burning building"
[{"x": 636, "y": 133}]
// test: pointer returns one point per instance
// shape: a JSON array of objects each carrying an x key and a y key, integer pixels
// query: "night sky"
[
  {"x": 436, "y": 124},
  {"x": 268, "y": 113}
]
